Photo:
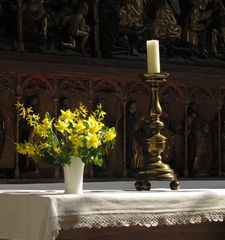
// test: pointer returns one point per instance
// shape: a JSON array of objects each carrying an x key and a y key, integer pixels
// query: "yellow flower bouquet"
[{"x": 72, "y": 133}]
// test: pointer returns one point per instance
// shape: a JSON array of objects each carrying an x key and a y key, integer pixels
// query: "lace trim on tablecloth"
[{"x": 140, "y": 219}]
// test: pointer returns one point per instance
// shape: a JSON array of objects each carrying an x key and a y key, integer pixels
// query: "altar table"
[{"x": 47, "y": 214}]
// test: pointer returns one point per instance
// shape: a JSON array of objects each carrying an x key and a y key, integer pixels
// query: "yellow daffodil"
[
  {"x": 62, "y": 126},
  {"x": 66, "y": 115},
  {"x": 79, "y": 127},
  {"x": 94, "y": 126},
  {"x": 92, "y": 140},
  {"x": 46, "y": 122},
  {"x": 76, "y": 140},
  {"x": 110, "y": 134}
]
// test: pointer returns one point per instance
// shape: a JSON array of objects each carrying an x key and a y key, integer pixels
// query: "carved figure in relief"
[
  {"x": 197, "y": 132},
  {"x": 218, "y": 31},
  {"x": 34, "y": 24},
  {"x": 198, "y": 22},
  {"x": 165, "y": 24},
  {"x": 133, "y": 147},
  {"x": 8, "y": 24},
  {"x": 75, "y": 26},
  {"x": 131, "y": 14},
  {"x": 131, "y": 20}
]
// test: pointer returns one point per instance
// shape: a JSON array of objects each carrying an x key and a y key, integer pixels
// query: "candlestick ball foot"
[
  {"x": 142, "y": 185},
  {"x": 175, "y": 185}
]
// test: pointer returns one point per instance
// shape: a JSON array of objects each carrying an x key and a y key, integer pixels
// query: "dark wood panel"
[{"x": 192, "y": 101}]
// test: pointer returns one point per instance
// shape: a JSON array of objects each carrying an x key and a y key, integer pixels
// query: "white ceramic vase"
[{"x": 73, "y": 176}]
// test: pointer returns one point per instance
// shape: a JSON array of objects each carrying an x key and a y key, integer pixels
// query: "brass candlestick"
[{"x": 155, "y": 169}]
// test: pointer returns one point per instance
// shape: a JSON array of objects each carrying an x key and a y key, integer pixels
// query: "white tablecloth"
[{"x": 40, "y": 214}]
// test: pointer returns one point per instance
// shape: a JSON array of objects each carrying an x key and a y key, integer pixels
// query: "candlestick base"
[{"x": 155, "y": 169}]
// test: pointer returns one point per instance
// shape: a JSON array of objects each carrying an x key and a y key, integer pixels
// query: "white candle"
[{"x": 153, "y": 59}]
